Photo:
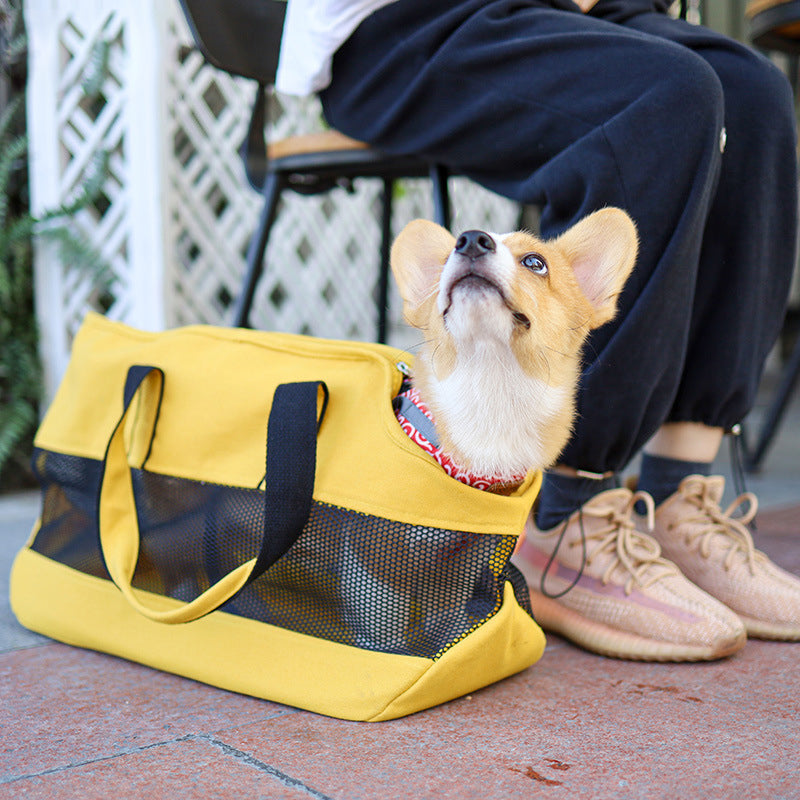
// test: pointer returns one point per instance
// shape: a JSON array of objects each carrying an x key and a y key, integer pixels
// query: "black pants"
[{"x": 624, "y": 107}]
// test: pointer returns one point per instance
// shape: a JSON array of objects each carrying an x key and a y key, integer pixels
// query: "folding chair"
[{"x": 242, "y": 37}]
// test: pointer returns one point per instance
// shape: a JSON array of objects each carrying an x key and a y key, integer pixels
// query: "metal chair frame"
[
  {"x": 242, "y": 37},
  {"x": 776, "y": 26}
]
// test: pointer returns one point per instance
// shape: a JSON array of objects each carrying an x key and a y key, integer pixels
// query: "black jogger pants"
[{"x": 690, "y": 132}]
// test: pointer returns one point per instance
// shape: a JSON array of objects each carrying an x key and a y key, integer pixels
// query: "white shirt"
[{"x": 313, "y": 31}]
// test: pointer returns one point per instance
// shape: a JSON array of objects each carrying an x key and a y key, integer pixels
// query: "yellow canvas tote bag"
[{"x": 242, "y": 508}]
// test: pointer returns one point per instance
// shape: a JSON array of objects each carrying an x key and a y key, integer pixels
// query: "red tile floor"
[{"x": 78, "y": 724}]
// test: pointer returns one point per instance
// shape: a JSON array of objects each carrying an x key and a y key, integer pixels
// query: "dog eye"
[{"x": 535, "y": 263}]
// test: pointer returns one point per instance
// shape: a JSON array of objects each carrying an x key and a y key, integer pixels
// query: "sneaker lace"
[
  {"x": 637, "y": 553},
  {"x": 730, "y": 524}
]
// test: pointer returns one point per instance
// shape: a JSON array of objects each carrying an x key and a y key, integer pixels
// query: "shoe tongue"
[
  {"x": 715, "y": 485},
  {"x": 613, "y": 498}
]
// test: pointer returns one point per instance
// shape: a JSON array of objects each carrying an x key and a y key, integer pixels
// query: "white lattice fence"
[{"x": 175, "y": 215}]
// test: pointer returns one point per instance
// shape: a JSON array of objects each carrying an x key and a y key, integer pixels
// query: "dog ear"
[
  {"x": 418, "y": 256},
  {"x": 602, "y": 252}
]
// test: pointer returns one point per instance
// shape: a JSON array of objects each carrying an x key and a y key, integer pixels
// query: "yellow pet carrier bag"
[{"x": 242, "y": 508}]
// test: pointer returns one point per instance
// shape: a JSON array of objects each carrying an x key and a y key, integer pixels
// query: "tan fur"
[{"x": 502, "y": 392}]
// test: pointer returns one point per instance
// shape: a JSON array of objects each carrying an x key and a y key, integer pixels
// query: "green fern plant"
[{"x": 20, "y": 368}]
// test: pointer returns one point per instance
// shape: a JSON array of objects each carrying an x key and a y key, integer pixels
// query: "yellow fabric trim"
[
  {"x": 260, "y": 660},
  {"x": 508, "y": 643},
  {"x": 212, "y": 423},
  {"x": 223, "y": 650}
]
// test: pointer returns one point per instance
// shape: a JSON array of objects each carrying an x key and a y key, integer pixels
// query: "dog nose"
[{"x": 474, "y": 244}]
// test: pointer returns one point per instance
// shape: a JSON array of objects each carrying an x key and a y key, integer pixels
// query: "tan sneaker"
[
  {"x": 715, "y": 550},
  {"x": 598, "y": 581}
]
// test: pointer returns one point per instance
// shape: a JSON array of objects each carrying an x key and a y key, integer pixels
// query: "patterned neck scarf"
[{"x": 417, "y": 422}]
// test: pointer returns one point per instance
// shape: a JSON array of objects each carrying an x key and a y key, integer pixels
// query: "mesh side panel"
[
  {"x": 355, "y": 579},
  {"x": 350, "y": 578},
  {"x": 68, "y": 532},
  {"x": 192, "y": 533}
]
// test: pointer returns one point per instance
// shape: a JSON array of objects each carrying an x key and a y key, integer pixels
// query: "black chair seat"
[
  {"x": 352, "y": 164},
  {"x": 775, "y": 25}
]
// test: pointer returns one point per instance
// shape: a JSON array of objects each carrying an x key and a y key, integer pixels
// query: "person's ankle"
[
  {"x": 660, "y": 476},
  {"x": 565, "y": 490}
]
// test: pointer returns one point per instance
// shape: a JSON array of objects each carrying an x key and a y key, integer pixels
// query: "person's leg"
[
  {"x": 572, "y": 113},
  {"x": 748, "y": 251},
  {"x": 745, "y": 264},
  {"x": 746, "y": 261}
]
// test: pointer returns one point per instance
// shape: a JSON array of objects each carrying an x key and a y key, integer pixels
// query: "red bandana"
[{"x": 484, "y": 482}]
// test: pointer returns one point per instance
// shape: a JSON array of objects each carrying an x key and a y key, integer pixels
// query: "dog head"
[{"x": 506, "y": 316}]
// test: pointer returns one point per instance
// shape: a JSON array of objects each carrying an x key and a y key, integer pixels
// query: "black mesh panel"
[
  {"x": 350, "y": 577},
  {"x": 355, "y": 579},
  {"x": 68, "y": 532}
]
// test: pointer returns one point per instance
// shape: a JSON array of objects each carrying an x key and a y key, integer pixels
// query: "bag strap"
[{"x": 291, "y": 466}]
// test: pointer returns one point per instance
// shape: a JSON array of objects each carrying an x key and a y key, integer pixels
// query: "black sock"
[
  {"x": 561, "y": 495},
  {"x": 660, "y": 476}
]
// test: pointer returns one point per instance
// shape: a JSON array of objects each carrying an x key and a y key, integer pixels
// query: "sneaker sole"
[
  {"x": 606, "y": 641},
  {"x": 759, "y": 629}
]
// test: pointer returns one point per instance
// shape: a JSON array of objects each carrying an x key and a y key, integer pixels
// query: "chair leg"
[
  {"x": 382, "y": 299},
  {"x": 273, "y": 186},
  {"x": 769, "y": 427},
  {"x": 441, "y": 197}
]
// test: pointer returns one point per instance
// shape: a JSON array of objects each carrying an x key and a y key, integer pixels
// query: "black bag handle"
[{"x": 291, "y": 466}]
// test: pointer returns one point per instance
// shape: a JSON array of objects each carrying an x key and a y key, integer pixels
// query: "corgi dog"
[
  {"x": 504, "y": 318},
  {"x": 491, "y": 397}
]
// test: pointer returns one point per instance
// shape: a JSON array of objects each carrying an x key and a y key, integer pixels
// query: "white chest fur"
[{"x": 495, "y": 414}]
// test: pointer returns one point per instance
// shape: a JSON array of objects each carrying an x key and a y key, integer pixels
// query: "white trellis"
[{"x": 175, "y": 215}]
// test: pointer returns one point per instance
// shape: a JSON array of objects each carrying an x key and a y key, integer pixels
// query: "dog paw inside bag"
[{"x": 242, "y": 508}]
